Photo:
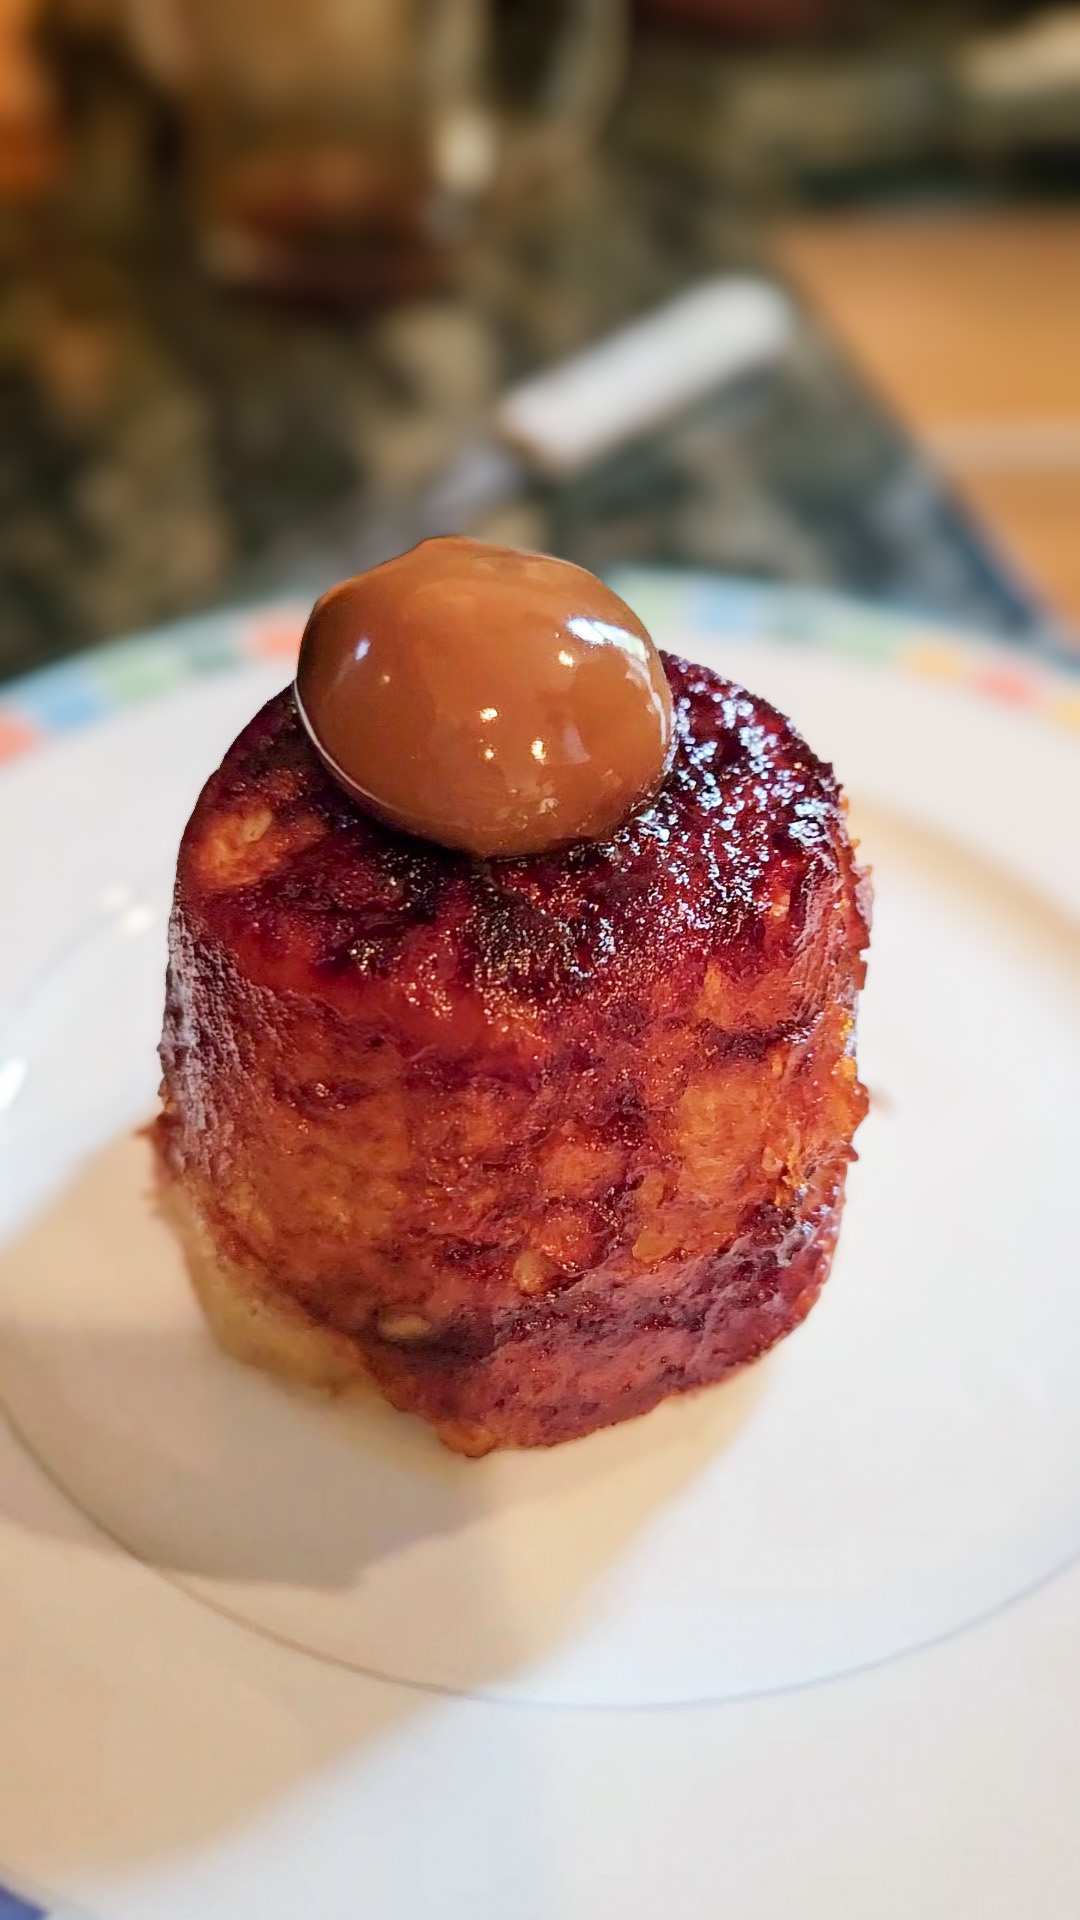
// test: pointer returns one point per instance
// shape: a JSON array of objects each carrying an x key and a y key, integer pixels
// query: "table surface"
[
  {"x": 966, "y": 324},
  {"x": 167, "y": 446}
]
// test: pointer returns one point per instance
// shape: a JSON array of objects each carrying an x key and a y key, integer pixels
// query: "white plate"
[{"x": 639, "y": 1618}]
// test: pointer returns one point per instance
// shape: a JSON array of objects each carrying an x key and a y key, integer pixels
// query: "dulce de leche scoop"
[{"x": 495, "y": 701}]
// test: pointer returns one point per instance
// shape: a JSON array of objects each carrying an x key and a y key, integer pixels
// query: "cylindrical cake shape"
[{"x": 531, "y": 1144}]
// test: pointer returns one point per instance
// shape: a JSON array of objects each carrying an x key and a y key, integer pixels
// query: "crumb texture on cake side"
[{"x": 529, "y": 1144}]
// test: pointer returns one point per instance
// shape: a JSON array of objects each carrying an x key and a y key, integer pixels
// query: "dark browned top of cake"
[{"x": 723, "y": 866}]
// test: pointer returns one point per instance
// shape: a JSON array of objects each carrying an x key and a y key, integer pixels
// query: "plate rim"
[{"x": 53, "y": 701}]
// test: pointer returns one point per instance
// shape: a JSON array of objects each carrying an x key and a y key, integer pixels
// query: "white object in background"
[
  {"x": 1022, "y": 64},
  {"x": 587, "y": 406}
]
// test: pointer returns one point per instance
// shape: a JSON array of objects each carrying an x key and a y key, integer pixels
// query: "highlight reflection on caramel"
[{"x": 496, "y": 701}]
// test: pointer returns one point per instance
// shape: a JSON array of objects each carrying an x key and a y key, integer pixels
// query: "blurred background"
[{"x": 272, "y": 276}]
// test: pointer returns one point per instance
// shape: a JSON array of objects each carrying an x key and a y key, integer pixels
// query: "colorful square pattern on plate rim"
[
  {"x": 14, "y": 1908},
  {"x": 58, "y": 699}
]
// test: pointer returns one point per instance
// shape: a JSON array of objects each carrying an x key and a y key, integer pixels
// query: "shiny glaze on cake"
[{"x": 533, "y": 1142}]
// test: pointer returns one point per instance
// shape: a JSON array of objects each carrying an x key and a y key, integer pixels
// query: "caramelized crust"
[{"x": 533, "y": 1143}]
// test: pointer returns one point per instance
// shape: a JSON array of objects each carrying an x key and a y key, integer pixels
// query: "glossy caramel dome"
[{"x": 499, "y": 702}]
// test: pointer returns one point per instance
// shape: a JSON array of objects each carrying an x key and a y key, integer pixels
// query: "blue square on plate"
[{"x": 12, "y": 1908}]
